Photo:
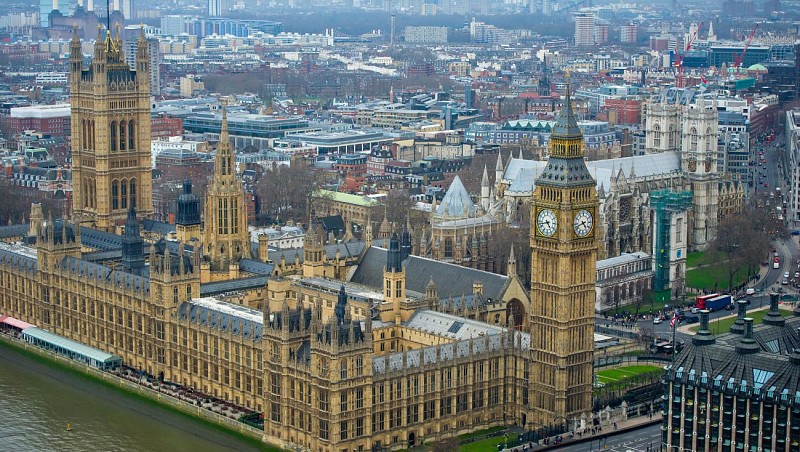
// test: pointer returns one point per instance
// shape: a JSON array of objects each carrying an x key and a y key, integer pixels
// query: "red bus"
[{"x": 700, "y": 300}]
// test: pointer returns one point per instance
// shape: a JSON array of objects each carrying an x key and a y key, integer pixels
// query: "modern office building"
[
  {"x": 738, "y": 390},
  {"x": 584, "y": 28}
]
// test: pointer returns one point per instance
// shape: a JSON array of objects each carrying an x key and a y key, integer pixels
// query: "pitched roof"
[
  {"x": 456, "y": 202},
  {"x": 450, "y": 279}
]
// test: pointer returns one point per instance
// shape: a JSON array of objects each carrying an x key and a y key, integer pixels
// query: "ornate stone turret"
[
  {"x": 263, "y": 247},
  {"x": 187, "y": 218},
  {"x": 36, "y": 220},
  {"x": 132, "y": 245}
]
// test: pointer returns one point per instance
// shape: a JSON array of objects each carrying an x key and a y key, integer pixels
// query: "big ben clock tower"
[{"x": 563, "y": 258}]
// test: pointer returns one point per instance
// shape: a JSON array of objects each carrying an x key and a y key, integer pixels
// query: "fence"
[{"x": 130, "y": 386}]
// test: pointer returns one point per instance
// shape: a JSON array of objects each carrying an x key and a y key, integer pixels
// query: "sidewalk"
[{"x": 622, "y": 426}]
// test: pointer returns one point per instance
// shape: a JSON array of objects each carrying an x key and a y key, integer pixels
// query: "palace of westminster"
[{"x": 336, "y": 359}]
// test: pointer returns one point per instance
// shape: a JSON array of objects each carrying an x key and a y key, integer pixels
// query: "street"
[{"x": 640, "y": 440}]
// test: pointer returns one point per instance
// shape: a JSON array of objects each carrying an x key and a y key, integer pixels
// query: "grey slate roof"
[
  {"x": 491, "y": 337},
  {"x": 13, "y": 230},
  {"x": 256, "y": 266},
  {"x": 233, "y": 285},
  {"x": 239, "y": 320},
  {"x": 90, "y": 270},
  {"x": 450, "y": 279},
  {"x": 101, "y": 240},
  {"x": 158, "y": 227},
  {"x": 18, "y": 257},
  {"x": 726, "y": 368}
]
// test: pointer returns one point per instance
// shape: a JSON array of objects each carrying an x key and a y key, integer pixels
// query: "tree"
[
  {"x": 285, "y": 192},
  {"x": 445, "y": 445}
]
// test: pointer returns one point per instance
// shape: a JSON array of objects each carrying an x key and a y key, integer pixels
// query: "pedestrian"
[{"x": 615, "y": 425}]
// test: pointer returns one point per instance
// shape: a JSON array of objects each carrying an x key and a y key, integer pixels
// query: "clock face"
[
  {"x": 546, "y": 222},
  {"x": 583, "y": 223}
]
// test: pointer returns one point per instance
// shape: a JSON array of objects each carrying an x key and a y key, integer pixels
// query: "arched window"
[
  {"x": 122, "y": 141},
  {"x": 132, "y": 192},
  {"x": 359, "y": 365},
  {"x": 124, "y": 194},
  {"x": 656, "y": 136},
  {"x": 115, "y": 195},
  {"x": 693, "y": 140},
  {"x": 114, "y": 135},
  {"x": 131, "y": 135},
  {"x": 344, "y": 369},
  {"x": 671, "y": 136},
  {"x": 709, "y": 141},
  {"x": 85, "y": 187},
  {"x": 448, "y": 247}
]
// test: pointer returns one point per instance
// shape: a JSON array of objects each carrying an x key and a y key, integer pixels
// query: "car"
[
  {"x": 691, "y": 319},
  {"x": 729, "y": 307},
  {"x": 657, "y": 320},
  {"x": 795, "y": 231},
  {"x": 766, "y": 184},
  {"x": 797, "y": 275},
  {"x": 695, "y": 310}
]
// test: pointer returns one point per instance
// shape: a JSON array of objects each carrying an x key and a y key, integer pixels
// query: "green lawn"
[
  {"x": 707, "y": 278},
  {"x": 486, "y": 445},
  {"x": 483, "y": 432},
  {"x": 621, "y": 374},
  {"x": 724, "y": 325},
  {"x": 693, "y": 259}
]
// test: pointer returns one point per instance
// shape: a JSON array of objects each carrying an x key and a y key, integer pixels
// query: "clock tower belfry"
[{"x": 563, "y": 260}]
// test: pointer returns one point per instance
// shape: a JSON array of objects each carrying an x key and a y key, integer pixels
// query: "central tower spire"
[{"x": 225, "y": 229}]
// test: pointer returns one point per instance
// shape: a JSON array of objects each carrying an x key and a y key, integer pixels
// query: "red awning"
[{"x": 19, "y": 324}]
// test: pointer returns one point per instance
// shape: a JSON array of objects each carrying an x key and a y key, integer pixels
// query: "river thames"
[{"x": 39, "y": 400}]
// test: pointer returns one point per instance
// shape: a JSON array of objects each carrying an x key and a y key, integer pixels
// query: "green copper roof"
[{"x": 347, "y": 198}]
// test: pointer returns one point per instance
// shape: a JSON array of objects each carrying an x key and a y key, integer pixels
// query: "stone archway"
[
  {"x": 515, "y": 314},
  {"x": 412, "y": 439}
]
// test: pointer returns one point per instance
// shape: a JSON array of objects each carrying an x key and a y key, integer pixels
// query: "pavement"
[{"x": 635, "y": 434}]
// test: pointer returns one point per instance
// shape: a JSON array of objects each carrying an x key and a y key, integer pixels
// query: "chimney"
[
  {"x": 747, "y": 345},
  {"x": 703, "y": 336},
  {"x": 738, "y": 325},
  {"x": 774, "y": 317}
]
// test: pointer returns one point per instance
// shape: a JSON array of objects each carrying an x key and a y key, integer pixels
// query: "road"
[{"x": 640, "y": 440}]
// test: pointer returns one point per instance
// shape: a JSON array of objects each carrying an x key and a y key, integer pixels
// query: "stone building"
[
  {"x": 621, "y": 280},
  {"x": 335, "y": 358},
  {"x": 110, "y": 121}
]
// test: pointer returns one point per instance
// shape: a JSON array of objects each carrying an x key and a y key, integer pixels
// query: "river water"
[{"x": 38, "y": 400}]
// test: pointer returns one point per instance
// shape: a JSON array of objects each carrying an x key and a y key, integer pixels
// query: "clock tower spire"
[{"x": 563, "y": 260}]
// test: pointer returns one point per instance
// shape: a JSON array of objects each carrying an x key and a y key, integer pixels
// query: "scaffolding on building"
[{"x": 665, "y": 203}]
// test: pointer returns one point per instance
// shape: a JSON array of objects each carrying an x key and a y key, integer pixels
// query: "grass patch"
[
  {"x": 483, "y": 432},
  {"x": 485, "y": 445},
  {"x": 622, "y": 374},
  {"x": 42, "y": 359},
  {"x": 694, "y": 259},
  {"x": 724, "y": 325},
  {"x": 714, "y": 278}
]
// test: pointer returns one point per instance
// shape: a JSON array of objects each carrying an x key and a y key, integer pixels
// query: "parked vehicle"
[
  {"x": 776, "y": 263},
  {"x": 700, "y": 300},
  {"x": 718, "y": 303}
]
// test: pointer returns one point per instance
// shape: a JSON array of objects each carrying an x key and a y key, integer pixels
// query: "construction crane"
[
  {"x": 739, "y": 59},
  {"x": 679, "y": 58}
]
